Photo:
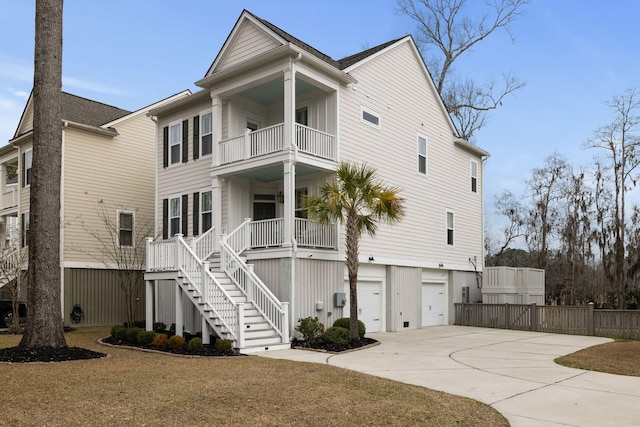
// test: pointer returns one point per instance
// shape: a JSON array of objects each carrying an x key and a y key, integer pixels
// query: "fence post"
[
  {"x": 534, "y": 317},
  {"x": 591, "y": 327}
]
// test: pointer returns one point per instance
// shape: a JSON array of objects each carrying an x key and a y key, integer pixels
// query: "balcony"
[
  {"x": 9, "y": 197},
  {"x": 253, "y": 144},
  {"x": 309, "y": 234}
]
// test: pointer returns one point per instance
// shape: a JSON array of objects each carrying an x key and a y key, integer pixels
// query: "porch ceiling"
[
  {"x": 273, "y": 91},
  {"x": 274, "y": 173}
]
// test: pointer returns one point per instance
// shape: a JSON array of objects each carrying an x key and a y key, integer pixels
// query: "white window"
[
  {"x": 206, "y": 134},
  {"x": 370, "y": 117},
  {"x": 422, "y": 154},
  {"x": 125, "y": 229},
  {"x": 175, "y": 143},
  {"x": 301, "y": 194},
  {"x": 28, "y": 163},
  {"x": 205, "y": 211},
  {"x": 450, "y": 228},
  {"x": 175, "y": 215},
  {"x": 474, "y": 176}
]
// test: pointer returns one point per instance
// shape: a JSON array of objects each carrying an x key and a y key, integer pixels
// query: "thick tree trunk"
[{"x": 44, "y": 327}]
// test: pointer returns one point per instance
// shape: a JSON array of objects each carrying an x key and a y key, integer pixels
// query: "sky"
[{"x": 573, "y": 55}]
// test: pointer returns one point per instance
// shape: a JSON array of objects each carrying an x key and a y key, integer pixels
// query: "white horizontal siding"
[
  {"x": 394, "y": 86},
  {"x": 249, "y": 41}
]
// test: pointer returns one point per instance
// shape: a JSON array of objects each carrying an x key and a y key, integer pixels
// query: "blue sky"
[{"x": 573, "y": 55}]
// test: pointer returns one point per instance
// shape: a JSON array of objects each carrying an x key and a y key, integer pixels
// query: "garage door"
[
  {"x": 432, "y": 304},
  {"x": 370, "y": 305}
]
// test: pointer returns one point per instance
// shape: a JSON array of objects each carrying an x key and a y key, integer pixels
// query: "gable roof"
[{"x": 87, "y": 112}]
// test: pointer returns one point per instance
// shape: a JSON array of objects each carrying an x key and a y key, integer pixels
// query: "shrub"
[
  {"x": 337, "y": 335},
  {"x": 160, "y": 340},
  {"x": 15, "y": 329},
  {"x": 121, "y": 333},
  {"x": 345, "y": 322},
  {"x": 146, "y": 337},
  {"x": 223, "y": 346},
  {"x": 117, "y": 331},
  {"x": 195, "y": 345},
  {"x": 132, "y": 335},
  {"x": 159, "y": 327},
  {"x": 175, "y": 342},
  {"x": 139, "y": 324},
  {"x": 309, "y": 327}
]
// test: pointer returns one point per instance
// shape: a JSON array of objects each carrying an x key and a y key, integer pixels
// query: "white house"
[{"x": 272, "y": 121}]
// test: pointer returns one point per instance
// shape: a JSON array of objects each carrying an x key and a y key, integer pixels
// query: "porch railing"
[
  {"x": 271, "y": 139},
  {"x": 9, "y": 196},
  {"x": 313, "y": 234},
  {"x": 205, "y": 244},
  {"x": 275, "y": 312},
  {"x": 267, "y": 233},
  {"x": 176, "y": 254}
]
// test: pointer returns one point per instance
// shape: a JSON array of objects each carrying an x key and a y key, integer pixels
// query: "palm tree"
[{"x": 357, "y": 199}]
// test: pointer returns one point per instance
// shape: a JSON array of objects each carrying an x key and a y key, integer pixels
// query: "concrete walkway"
[{"x": 513, "y": 371}]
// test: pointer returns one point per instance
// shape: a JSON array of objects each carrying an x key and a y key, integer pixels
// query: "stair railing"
[
  {"x": 205, "y": 244},
  {"x": 275, "y": 312}
]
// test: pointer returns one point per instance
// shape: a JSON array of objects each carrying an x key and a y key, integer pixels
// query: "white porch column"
[
  {"x": 289, "y": 106},
  {"x": 216, "y": 201},
  {"x": 289, "y": 182},
  {"x": 216, "y": 116},
  {"x": 149, "y": 305}
]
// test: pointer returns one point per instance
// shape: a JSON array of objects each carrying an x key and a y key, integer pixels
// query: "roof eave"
[{"x": 463, "y": 143}]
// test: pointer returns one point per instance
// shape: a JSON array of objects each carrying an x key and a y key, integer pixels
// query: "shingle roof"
[
  {"x": 339, "y": 64},
  {"x": 87, "y": 112}
]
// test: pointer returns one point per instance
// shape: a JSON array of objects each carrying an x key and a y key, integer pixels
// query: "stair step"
[
  {"x": 260, "y": 343},
  {"x": 259, "y": 333}
]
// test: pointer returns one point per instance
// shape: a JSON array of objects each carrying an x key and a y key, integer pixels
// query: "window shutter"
[
  {"x": 196, "y": 137},
  {"x": 196, "y": 214},
  {"x": 165, "y": 218},
  {"x": 185, "y": 141},
  {"x": 24, "y": 170},
  {"x": 185, "y": 215},
  {"x": 165, "y": 146}
]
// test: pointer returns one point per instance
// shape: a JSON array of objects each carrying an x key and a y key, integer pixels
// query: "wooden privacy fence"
[{"x": 573, "y": 320}]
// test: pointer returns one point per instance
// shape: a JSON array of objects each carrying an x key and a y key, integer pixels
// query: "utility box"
[
  {"x": 511, "y": 285},
  {"x": 339, "y": 299}
]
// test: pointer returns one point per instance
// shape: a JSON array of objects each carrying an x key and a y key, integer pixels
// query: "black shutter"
[
  {"x": 185, "y": 141},
  {"x": 196, "y": 137},
  {"x": 185, "y": 215},
  {"x": 165, "y": 146},
  {"x": 22, "y": 242},
  {"x": 196, "y": 213},
  {"x": 165, "y": 218},
  {"x": 24, "y": 169}
]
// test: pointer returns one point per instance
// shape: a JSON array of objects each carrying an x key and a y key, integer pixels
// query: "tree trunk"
[
  {"x": 352, "y": 267},
  {"x": 45, "y": 327}
]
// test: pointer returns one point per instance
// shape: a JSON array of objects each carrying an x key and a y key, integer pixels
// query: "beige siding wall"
[
  {"x": 101, "y": 299},
  {"x": 394, "y": 86},
  {"x": 182, "y": 178},
  {"x": 249, "y": 41},
  {"x": 110, "y": 173},
  {"x": 317, "y": 282}
]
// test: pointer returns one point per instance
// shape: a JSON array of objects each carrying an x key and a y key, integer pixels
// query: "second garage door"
[{"x": 432, "y": 304}]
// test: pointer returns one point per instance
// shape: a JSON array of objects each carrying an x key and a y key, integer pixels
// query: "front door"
[{"x": 263, "y": 210}]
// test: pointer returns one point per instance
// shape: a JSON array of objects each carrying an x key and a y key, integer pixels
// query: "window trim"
[
  {"x": 425, "y": 155},
  {"x": 28, "y": 172},
  {"x": 120, "y": 212},
  {"x": 202, "y": 134},
  {"x": 171, "y": 143},
  {"x": 453, "y": 227},
  {"x": 373, "y": 113},
  {"x": 474, "y": 177},
  {"x": 202, "y": 212},
  {"x": 171, "y": 231}
]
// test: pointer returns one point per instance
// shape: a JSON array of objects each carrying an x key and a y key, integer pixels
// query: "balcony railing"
[
  {"x": 9, "y": 196},
  {"x": 270, "y": 233},
  {"x": 271, "y": 140}
]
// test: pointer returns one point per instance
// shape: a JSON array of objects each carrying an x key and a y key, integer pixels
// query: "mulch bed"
[
  {"x": 319, "y": 345},
  {"x": 206, "y": 351},
  {"x": 46, "y": 354}
]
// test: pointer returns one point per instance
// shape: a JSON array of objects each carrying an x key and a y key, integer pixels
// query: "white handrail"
[{"x": 204, "y": 245}]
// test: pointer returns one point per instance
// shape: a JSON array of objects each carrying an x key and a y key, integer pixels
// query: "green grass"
[{"x": 138, "y": 388}]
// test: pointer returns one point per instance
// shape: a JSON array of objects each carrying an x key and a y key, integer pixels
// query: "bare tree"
[
  {"x": 13, "y": 274},
  {"x": 508, "y": 205},
  {"x": 121, "y": 242},
  {"x": 44, "y": 326},
  {"x": 446, "y": 32},
  {"x": 621, "y": 146}
]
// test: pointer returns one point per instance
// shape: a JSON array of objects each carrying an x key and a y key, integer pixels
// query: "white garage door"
[
  {"x": 370, "y": 305},
  {"x": 432, "y": 304}
]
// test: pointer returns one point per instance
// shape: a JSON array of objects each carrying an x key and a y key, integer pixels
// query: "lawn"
[
  {"x": 618, "y": 357},
  {"x": 137, "y": 388}
]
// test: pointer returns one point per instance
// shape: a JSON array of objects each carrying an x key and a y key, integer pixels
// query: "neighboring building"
[
  {"x": 272, "y": 121},
  {"x": 108, "y": 169}
]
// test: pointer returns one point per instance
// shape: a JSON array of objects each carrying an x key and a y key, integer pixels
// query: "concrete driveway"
[{"x": 512, "y": 371}]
